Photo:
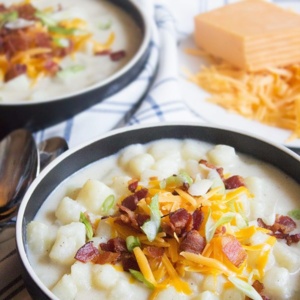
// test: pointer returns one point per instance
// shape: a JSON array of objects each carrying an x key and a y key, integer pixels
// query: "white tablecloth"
[{"x": 172, "y": 22}]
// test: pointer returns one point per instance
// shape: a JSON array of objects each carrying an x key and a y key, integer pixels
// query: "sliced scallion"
[
  {"x": 140, "y": 277},
  {"x": 132, "y": 242},
  {"x": 88, "y": 226},
  {"x": 71, "y": 70},
  {"x": 108, "y": 204},
  {"x": 8, "y": 17},
  {"x": 151, "y": 227},
  {"x": 295, "y": 214},
  {"x": 45, "y": 18}
]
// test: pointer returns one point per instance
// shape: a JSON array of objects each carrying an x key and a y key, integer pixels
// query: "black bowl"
[
  {"x": 37, "y": 115},
  {"x": 75, "y": 159}
]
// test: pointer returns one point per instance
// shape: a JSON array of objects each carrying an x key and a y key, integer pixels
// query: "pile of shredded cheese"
[
  {"x": 271, "y": 96},
  {"x": 221, "y": 208}
]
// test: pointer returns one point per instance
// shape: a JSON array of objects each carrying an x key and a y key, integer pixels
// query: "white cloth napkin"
[{"x": 165, "y": 101}]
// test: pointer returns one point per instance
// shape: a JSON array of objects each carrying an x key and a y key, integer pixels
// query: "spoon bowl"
[
  {"x": 50, "y": 149},
  {"x": 19, "y": 165}
]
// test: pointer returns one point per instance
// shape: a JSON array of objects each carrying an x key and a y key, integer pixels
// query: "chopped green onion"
[
  {"x": 62, "y": 30},
  {"x": 61, "y": 42},
  {"x": 140, "y": 277},
  {"x": 8, "y": 17},
  {"x": 45, "y": 18},
  {"x": 108, "y": 204},
  {"x": 245, "y": 287},
  {"x": 295, "y": 213},
  {"x": 176, "y": 180},
  {"x": 88, "y": 226},
  {"x": 66, "y": 72},
  {"x": 151, "y": 227},
  {"x": 210, "y": 228},
  {"x": 132, "y": 242}
]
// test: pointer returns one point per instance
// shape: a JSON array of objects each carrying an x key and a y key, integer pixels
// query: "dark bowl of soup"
[
  {"x": 167, "y": 211},
  {"x": 80, "y": 54}
]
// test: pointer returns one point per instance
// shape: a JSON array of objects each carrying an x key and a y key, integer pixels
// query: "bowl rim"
[
  {"x": 19, "y": 222},
  {"x": 126, "y": 68}
]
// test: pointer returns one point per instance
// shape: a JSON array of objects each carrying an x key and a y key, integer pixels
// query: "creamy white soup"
[
  {"x": 54, "y": 49},
  {"x": 172, "y": 219}
]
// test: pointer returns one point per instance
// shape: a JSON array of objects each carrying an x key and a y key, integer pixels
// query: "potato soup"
[
  {"x": 171, "y": 219},
  {"x": 61, "y": 47}
]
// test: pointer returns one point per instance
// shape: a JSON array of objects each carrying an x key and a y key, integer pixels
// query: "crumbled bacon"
[
  {"x": 212, "y": 166},
  {"x": 233, "y": 250},
  {"x": 234, "y": 182},
  {"x": 130, "y": 202},
  {"x": 193, "y": 242},
  {"x": 259, "y": 287},
  {"x": 25, "y": 11},
  {"x": 88, "y": 252},
  {"x": 128, "y": 217},
  {"x": 118, "y": 55},
  {"x": 14, "y": 71},
  {"x": 179, "y": 218},
  {"x": 132, "y": 185},
  {"x": 198, "y": 217},
  {"x": 106, "y": 257},
  {"x": 281, "y": 228},
  {"x": 114, "y": 245},
  {"x": 128, "y": 262}
]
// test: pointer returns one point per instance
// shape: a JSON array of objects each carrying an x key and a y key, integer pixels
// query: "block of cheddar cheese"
[{"x": 250, "y": 34}]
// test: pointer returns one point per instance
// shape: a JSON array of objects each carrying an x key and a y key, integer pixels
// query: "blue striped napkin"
[{"x": 172, "y": 20}]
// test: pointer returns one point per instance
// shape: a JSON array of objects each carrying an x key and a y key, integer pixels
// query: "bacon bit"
[
  {"x": 193, "y": 242},
  {"x": 103, "y": 52},
  {"x": 142, "y": 193},
  {"x": 259, "y": 287},
  {"x": 129, "y": 217},
  {"x": 128, "y": 262},
  {"x": 212, "y": 166},
  {"x": 25, "y": 11},
  {"x": 130, "y": 202},
  {"x": 51, "y": 67},
  {"x": 234, "y": 182},
  {"x": 154, "y": 252},
  {"x": 179, "y": 218},
  {"x": 141, "y": 219},
  {"x": 14, "y": 71},
  {"x": 114, "y": 245},
  {"x": 108, "y": 258},
  {"x": 233, "y": 250},
  {"x": 281, "y": 228},
  {"x": 283, "y": 224},
  {"x": 132, "y": 185},
  {"x": 118, "y": 55},
  {"x": 198, "y": 217},
  {"x": 87, "y": 253}
]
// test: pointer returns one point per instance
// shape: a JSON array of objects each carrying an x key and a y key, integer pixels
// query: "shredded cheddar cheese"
[{"x": 270, "y": 96}]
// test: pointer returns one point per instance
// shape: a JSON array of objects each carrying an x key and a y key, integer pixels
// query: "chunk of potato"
[
  {"x": 128, "y": 153},
  {"x": 81, "y": 275},
  {"x": 286, "y": 257},
  {"x": 222, "y": 155},
  {"x": 232, "y": 294},
  {"x": 277, "y": 283},
  {"x": 140, "y": 163},
  {"x": 171, "y": 150},
  {"x": 171, "y": 293},
  {"x": 192, "y": 150},
  {"x": 104, "y": 277},
  {"x": 93, "y": 194},
  {"x": 68, "y": 240},
  {"x": 65, "y": 289},
  {"x": 212, "y": 283},
  {"x": 68, "y": 210},
  {"x": 207, "y": 295},
  {"x": 40, "y": 237}
]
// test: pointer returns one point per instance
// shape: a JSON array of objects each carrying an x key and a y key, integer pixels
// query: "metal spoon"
[
  {"x": 19, "y": 165},
  {"x": 50, "y": 149}
]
